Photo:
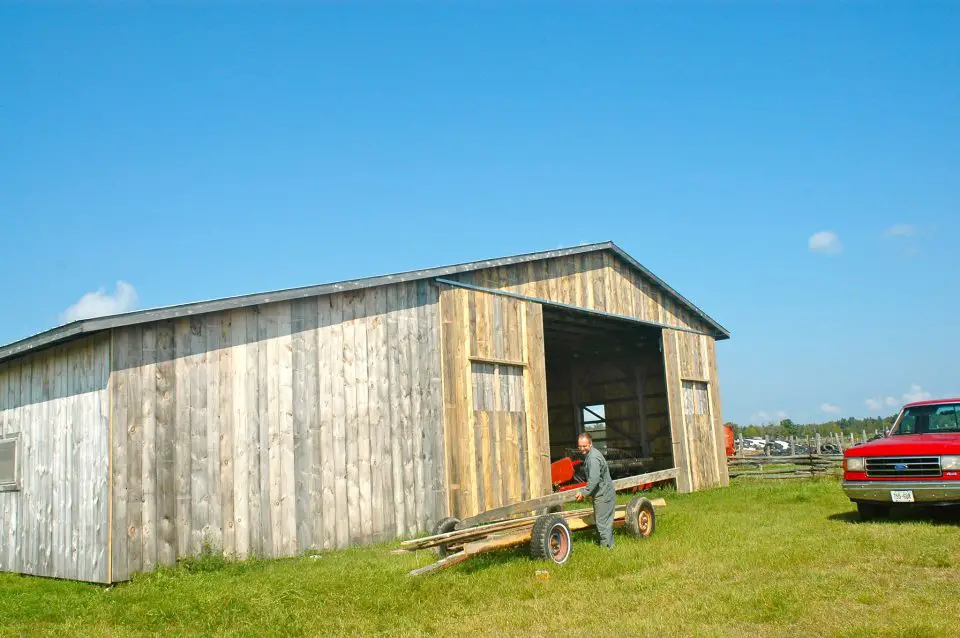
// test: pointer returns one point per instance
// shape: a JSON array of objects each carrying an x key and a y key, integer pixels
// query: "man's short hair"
[{"x": 586, "y": 436}]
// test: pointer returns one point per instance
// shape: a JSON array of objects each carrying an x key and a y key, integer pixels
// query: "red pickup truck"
[{"x": 916, "y": 463}]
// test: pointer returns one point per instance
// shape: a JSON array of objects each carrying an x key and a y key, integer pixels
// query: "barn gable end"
[
  {"x": 55, "y": 405},
  {"x": 601, "y": 281}
]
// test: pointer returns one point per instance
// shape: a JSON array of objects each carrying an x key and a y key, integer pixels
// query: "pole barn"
[{"x": 347, "y": 413}]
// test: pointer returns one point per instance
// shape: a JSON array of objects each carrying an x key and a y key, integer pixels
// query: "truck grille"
[{"x": 904, "y": 466}]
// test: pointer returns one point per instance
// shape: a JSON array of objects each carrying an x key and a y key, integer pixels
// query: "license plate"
[{"x": 901, "y": 496}]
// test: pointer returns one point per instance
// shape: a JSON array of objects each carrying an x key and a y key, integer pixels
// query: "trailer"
[{"x": 541, "y": 523}]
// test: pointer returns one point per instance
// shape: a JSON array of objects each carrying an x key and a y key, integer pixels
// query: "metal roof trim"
[{"x": 72, "y": 330}]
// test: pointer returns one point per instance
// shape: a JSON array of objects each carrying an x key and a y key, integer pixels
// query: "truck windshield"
[{"x": 929, "y": 419}]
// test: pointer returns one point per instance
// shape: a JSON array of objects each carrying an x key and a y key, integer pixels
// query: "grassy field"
[{"x": 761, "y": 558}]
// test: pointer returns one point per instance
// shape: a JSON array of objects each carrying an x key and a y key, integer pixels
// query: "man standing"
[{"x": 600, "y": 487}]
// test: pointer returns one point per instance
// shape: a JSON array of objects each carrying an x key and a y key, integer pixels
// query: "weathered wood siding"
[
  {"x": 56, "y": 400},
  {"x": 693, "y": 390},
  {"x": 602, "y": 281},
  {"x": 495, "y": 403},
  {"x": 597, "y": 281},
  {"x": 277, "y": 429}
]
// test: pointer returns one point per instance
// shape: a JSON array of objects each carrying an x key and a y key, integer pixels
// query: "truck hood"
[{"x": 909, "y": 445}]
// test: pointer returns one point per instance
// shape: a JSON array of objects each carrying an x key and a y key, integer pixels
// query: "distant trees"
[{"x": 787, "y": 427}]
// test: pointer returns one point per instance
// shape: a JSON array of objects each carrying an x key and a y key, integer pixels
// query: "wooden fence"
[
  {"x": 784, "y": 467},
  {"x": 794, "y": 457}
]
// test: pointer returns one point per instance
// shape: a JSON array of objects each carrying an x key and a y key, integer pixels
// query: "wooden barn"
[{"x": 346, "y": 413}]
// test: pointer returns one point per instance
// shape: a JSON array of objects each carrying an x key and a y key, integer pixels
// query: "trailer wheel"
[
  {"x": 551, "y": 539},
  {"x": 445, "y": 525},
  {"x": 640, "y": 518}
]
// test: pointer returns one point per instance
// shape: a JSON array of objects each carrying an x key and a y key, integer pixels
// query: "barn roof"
[{"x": 84, "y": 327}]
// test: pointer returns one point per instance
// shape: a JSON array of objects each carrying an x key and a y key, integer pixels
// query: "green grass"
[{"x": 761, "y": 558}]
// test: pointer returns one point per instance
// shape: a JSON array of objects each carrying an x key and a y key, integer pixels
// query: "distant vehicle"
[{"x": 917, "y": 463}]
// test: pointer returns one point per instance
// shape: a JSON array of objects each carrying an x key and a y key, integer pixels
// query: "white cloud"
[
  {"x": 825, "y": 242},
  {"x": 100, "y": 303},
  {"x": 763, "y": 417},
  {"x": 915, "y": 393},
  {"x": 829, "y": 408},
  {"x": 901, "y": 230}
]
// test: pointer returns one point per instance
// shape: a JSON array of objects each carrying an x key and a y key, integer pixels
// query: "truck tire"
[
  {"x": 551, "y": 539},
  {"x": 871, "y": 511},
  {"x": 445, "y": 525},
  {"x": 640, "y": 518}
]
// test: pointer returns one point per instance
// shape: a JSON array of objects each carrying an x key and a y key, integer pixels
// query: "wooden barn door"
[
  {"x": 495, "y": 402},
  {"x": 694, "y": 404}
]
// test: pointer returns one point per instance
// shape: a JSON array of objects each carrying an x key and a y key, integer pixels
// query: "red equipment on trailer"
[{"x": 565, "y": 475}]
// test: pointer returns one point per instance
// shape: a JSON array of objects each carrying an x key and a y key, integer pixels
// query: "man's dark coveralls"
[{"x": 600, "y": 487}]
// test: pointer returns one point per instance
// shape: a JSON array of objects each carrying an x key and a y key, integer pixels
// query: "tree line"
[{"x": 787, "y": 427}]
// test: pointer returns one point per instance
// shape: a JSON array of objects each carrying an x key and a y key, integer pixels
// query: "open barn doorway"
[{"x": 605, "y": 376}]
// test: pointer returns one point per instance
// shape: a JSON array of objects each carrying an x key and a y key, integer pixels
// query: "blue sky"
[{"x": 195, "y": 153}]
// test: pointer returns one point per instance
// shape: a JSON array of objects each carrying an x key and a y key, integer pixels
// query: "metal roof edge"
[
  {"x": 722, "y": 333},
  {"x": 67, "y": 331},
  {"x": 85, "y": 326},
  {"x": 549, "y": 303}
]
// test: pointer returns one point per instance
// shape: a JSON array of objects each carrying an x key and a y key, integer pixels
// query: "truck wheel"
[
  {"x": 445, "y": 525},
  {"x": 871, "y": 511},
  {"x": 551, "y": 539},
  {"x": 640, "y": 518}
]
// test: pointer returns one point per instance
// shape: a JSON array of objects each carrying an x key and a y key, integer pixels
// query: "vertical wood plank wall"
[
  {"x": 57, "y": 401},
  {"x": 495, "y": 400},
  {"x": 601, "y": 281},
  {"x": 277, "y": 429},
  {"x": 694, "y": 403},
  {"x": 597, "y": 281}
]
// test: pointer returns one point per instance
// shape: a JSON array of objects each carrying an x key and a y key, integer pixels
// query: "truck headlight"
[
  {"x": 853, "y": 464},
  {"x": 950, "y": 462}
]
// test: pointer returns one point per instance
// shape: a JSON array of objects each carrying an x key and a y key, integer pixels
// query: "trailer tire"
[
  {"x": 551, "y": 539},
  {"x": 640, "y": 518},
  {"x": 445, "y": 525}
]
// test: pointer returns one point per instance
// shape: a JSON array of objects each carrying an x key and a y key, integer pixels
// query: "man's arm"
[{"x": 592, "y": 463}]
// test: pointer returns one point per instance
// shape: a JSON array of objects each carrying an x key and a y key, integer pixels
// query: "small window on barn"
[
  {"x": 497, "y": 387},
  {"x": 696, "y": 398},
  {"x": 8, "y": 463},
  {"x": 594, "y": 418}
]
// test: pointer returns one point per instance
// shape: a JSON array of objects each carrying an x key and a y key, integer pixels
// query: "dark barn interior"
[{"x": 605, "y": 376}]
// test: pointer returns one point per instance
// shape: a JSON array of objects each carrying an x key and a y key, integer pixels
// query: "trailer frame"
[{"x": 546, "y": 528}]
